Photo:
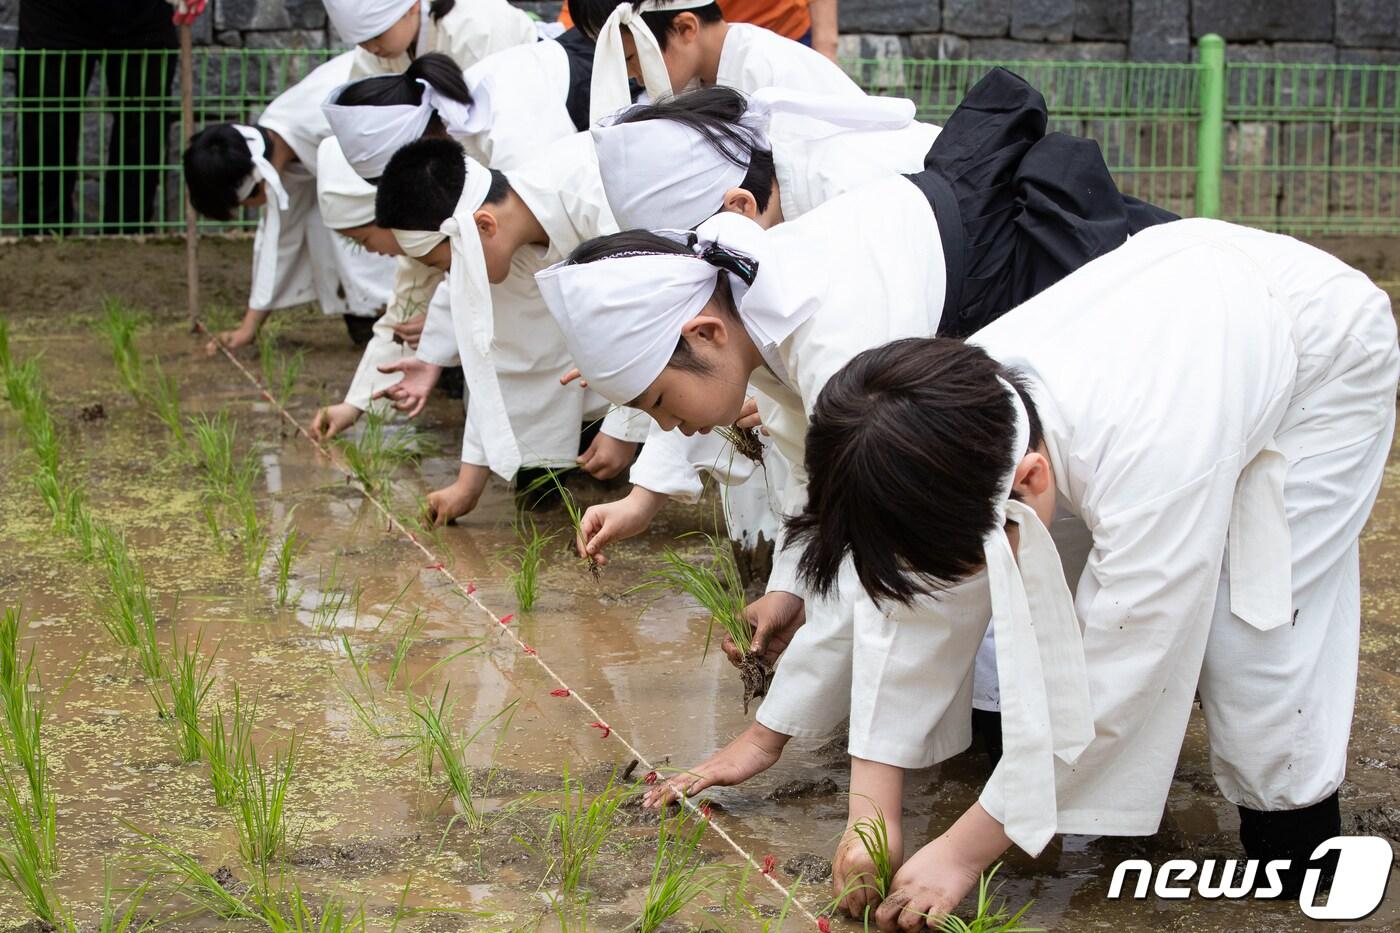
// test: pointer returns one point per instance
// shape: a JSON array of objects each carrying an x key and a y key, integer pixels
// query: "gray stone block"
[
  {"x": 977, "y": 17},
  {"x": 547, "y": 10},
  {"x": 881, "y": 69},
  {"x": 1043, "y": 20},
  {"x": 270, "y": 14},
  {"x": 202, "y": 32},
  {"x": 937, "y": 47},
  {"x": 1006, "y": 50},
  {"x": 1363, "y": 193},
  {"x": 1263, "y": 19},
  {"x": 287, "y": 39},
  {"x": 889, "y": 16},
  {"x": 1368, "y": 56},
  {"x": 1378, "y": 90},
  {"x": 229, "y": 38},
  {"x": 1272, "y": 87},
  {"x": 1102, "y": 19},
  {"x": 9, "y": 37},
  {"x": 1368, "y": 23},
  {"x": 1160, "y": 31}
]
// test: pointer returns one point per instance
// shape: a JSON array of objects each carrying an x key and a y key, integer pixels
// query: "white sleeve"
[
  {"x": 294, "y": 282},
  {"x": 1145, "y": 602},
  {"x": 473, "y": 451},
  {"x": 626, "y": 424},
  {"x": 438, "y": 342},
  {"x": 413, "y": 286}
]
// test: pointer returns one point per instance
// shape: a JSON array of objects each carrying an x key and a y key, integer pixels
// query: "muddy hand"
[
  {"x": 753, "y": 752},
  {"x": 775, "y": 618},
  {"x": 410, "y": 331}
]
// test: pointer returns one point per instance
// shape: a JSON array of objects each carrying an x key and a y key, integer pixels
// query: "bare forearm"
[
  {"x": 825, "y": 26},
  {"x": 876, "y": 789}
]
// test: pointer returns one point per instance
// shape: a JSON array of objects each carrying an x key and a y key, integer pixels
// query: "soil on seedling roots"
[
  {"x": 371, "y": 818},
  {"x": 756, "y": 676}
]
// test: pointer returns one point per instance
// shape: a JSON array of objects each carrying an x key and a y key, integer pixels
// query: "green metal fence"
[{"x": 90, "y": 141}]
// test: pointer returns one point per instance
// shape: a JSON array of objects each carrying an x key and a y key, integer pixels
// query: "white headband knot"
[
  {"x": 1046, "y": 711},
  {"x": 662, "y": 173},
  {"x": 609, "y": 89},
  {"x": 270, "y": 223},
  {"x": 370, "y": 135}
]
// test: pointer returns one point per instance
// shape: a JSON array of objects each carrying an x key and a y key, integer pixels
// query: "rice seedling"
[
  {"x": 279, "y": 371},
  {"x": 255, "y": 538},
  {"x": 367, "y": 710},
  {"x": 407, "y": 635},
  {"x": 678, "y": 874},
  {"x": 992, "y": 914},
  {"x": 192, "y": 880},
  {"x": 292, "y": 545},
  {"x": 582, "y": 826},
  {"x": 379, "y": 450},
  {"x": 260, "y": 809},
  {"x": 572, "y": 510},
  {"x": 442, "y": 741},
  {"x": 213, "y": 438},
  {"x": 6, "y": 360},
  {"x": 23, "y": 859},
  {"x": 227, "y": 744},
  {"x": 719, "y": 589},
  {"x": 118, "y": 325},
  {"x": 755, "y": 916},
  {"x": 289, "y": 912},
  {"x": 331, "y": 600},
  {"x": 120, "y": 916},
  {"x": 163, "y": 395},
  {"x": 745, "y": 441},
  {"x": 126, "y": 612},
  {"x": 181, "y": 698},
  {"x": 528, "y": 557},
  {"x": 874, "y": 835}
]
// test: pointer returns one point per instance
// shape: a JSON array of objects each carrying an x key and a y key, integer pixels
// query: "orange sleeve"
[
  {"x": 785, "y": 17},
  {"x": 564, "y": 16}
]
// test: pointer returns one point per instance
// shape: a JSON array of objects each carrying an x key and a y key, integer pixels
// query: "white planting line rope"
[{"x": 503, "y": 623}]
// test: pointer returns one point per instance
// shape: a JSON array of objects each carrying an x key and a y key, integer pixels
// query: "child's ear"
[
  {"x": 1033, "y": 475},
  {"x": 685, "y": 27},
  {"x": 741, "y": 201},
  {"x": 486, "y": 223},
  {"x": 707, "y": 329}
]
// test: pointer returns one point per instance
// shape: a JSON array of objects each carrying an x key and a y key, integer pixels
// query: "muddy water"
[{"x": 367, "y": 820}]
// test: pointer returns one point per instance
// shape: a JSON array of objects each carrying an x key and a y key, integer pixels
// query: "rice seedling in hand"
[
  {"x": 992, "y": 915},
  {"x": 719, "y": 590},
  {"x": 118, "y": 325},
  {"x": 553, "y": 479},
  {"x": 745, "y": 441},
  {"x": 581, "y": 827},
  {"x": 379, "y": 450},
  {"x": 874, "y": 835},
  {"x": 126, "y": 612},
  {"x": 441, "y": 740},
  {"x": 528, "y": 557},
  {"x": 678, "y": 874},
  {"x": 292, "y": 545},
  {"x": 260, "y": 810},
  {"x": 227, "y": 744},
  {"x": 181, "y": 697}
]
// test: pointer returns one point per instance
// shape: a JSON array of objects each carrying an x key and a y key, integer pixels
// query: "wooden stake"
[{"x": 187, "y": 127}]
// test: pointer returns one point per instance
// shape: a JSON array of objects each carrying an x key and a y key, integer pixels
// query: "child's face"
[
  {"x": 439, "y": 257},
  {"x": 681, "y": 67},
  {"x": 375, "y": 239},
  {"x": 696, "y": 402},
  {"x": 398, "y": 38}
]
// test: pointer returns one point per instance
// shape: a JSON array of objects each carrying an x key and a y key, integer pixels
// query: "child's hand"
[
  {"x": 607, "y": 456},
  {"x": 756, "y": 750},
  {"x": 616, "y": 521},
  {"x": 775, "y": 618},
  {"x": 748, "y": 416},
  {"x": 333, "y": 419},
  {"x": 452, "y": 502},
  {"x": 853, "y": 872},
  {"x": 927, "y": 888},
  {"x": 408, "y": 332},
  {"x": 410, "y": 394},
  {"x": 244, "y": 335}
]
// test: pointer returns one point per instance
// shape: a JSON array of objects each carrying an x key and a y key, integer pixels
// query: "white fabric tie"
[
  {"x": 1046, "y": 711},
  {"x": 1261, "y": 544},
  {"x": 369, "y": 136},
  {"x": 662, "y": 173},
  {"x": 270, "y": 223},
  {"x": 609, "y": 90},
  {"x": 361, "y": 20},
  {"x": 473, "y": 316}
]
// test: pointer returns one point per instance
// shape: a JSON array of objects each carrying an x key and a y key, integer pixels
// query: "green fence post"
[{"x": 1210, "y": 136}]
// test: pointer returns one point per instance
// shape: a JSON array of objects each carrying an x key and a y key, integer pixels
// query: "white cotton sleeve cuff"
[
  {"x": 664, "y": 467},
  {"x": 626, "y": 424}
]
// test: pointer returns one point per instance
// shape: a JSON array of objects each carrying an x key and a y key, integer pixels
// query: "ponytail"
[
  {"x": 440, "y": 8},
  {"x": 435, "y": 69},
  {"x": 716, "y": 114}
]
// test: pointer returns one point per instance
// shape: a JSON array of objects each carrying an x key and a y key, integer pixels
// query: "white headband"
[
  {"x": 370, "y": 135},
  {"x": 609, "y": 91},
  {"x": 270, "y": 223},
  {"x": 1045, "y": 706},
  {"x": 361, "y": 20},
  {"x": 345, "y": 199},
  {"x": 621, "y": 316},
  {"x": 472, "y": 315},
  {"x": 662, "y": 173}
]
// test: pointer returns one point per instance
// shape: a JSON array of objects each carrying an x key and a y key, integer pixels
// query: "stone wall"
[{"x": 1346, "y": 31}]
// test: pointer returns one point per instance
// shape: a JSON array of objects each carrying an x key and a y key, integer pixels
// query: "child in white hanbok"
[{"x": 392, "y": 33}]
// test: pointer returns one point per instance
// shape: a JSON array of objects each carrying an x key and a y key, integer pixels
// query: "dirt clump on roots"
[{"x": 756, "y": 676}]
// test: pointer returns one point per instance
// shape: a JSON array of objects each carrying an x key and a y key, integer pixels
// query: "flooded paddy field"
[{"x": 387, "y": 628}]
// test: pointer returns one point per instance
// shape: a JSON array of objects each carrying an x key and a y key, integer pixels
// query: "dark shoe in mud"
[
  {"x": 360, "y": 328},
  {"x": 756, "y": 676}
]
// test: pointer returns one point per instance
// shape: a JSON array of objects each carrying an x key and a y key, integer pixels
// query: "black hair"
[
  {"x": 906, "y": 449},
  {"x": 441, "y": 8},
  {"x": 435, "y": 68},
  {"x": 216, "y": 163},
  {"x": 421, "y": 185},
  {"x": 590, "y": 15},
  {"x": 714, "y": 113},
  {"x": 646, "y": 243}
]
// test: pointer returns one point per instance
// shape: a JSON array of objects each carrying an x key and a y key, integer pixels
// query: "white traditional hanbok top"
[
  {"x": 526, "y": 88},
  {"x": 753, "y": 58},
  {"x": 1166, "y": 375},
  {"x": 311, "y": 263},
  {"x": 469, "y": 32}
]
